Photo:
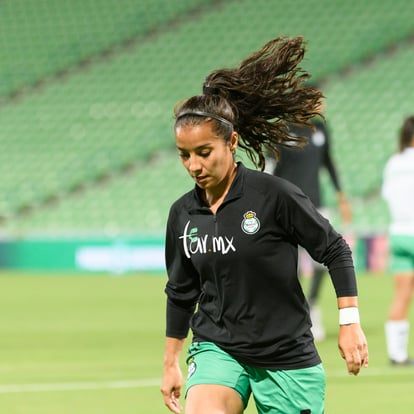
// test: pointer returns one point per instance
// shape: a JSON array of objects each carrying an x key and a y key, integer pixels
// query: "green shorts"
[
  {"x": 296, "y": 391},
  {"x": 402, "y": 254}
]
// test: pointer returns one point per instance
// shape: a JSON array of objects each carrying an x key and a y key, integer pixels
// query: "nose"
[{"x": 194, "y": 164}]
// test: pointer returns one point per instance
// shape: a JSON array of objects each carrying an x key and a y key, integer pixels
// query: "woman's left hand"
[{"x": 353, "y": 347}]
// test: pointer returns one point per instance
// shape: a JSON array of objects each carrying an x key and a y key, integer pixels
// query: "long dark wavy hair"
[
  {"x": 260, "y": 97},
  {"x": 406, "y": 133}
]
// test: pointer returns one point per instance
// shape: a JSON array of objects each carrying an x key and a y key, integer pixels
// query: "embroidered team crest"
[
  {"x": 191, "y": 368},
  {"x": 250, "y": 223}
]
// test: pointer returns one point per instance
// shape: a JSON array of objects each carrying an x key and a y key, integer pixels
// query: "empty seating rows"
[
  {"x": 43, "y": 37},
  {"x": 365, "y": 113},
  {"x": 118, "y": 112}
]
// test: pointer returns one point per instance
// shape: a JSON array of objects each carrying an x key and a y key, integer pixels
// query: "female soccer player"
[
  {"x": 232, "y": 250},
  {"x": 397, "y": 190}
]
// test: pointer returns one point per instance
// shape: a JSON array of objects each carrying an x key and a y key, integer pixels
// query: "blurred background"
[{"x": 87, "y": 162}]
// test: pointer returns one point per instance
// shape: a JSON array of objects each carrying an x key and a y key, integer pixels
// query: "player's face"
[{"x": 208, "y": 158}]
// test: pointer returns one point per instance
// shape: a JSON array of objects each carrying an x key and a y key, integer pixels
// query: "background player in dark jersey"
[
  {"x": 303, "y": 168},
  {"x": 232, "y": 250}
]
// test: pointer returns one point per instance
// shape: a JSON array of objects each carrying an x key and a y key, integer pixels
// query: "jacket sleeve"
[
  {"x": 328, "y": 162},
  {"x": 183, "y": 285},
  {"x": 311, "y": 230}
]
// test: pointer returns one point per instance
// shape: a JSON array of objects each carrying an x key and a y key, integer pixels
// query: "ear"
[{"x": 234, "y": 141}]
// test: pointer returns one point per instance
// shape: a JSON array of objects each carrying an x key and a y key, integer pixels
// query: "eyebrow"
[{"x": 201, "y": 147}]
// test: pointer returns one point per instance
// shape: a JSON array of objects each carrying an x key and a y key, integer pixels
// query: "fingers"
[
  {"x": 171, "y": 387},
  {"x": 365, "y": 356},
  {"x": 172, "y": 400},
  {"x": 356, "y": 359},
  {"x": 353, "y": 363},
  {"x": 353, "y": 347}
]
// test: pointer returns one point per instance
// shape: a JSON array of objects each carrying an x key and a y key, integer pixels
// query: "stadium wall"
[
  {"x": 117, "y": 256},
  {"x": 126, "y": 255}
]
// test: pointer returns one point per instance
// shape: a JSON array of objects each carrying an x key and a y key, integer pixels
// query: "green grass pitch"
[{"x": 94, "y": 344}]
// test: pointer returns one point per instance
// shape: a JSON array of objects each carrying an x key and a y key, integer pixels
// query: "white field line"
[
  {"x": 374, "y": 372},
  {"x": 156, "y": 382},
  {"x": 78, "y": 386}
]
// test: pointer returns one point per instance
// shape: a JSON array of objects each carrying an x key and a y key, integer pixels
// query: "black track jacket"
[
  {"x": 240, "y": 267},
  {"x": 302, "y": 167}
]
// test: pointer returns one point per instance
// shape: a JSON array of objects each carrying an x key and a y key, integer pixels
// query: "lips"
[{"x": 200, "y": 179}]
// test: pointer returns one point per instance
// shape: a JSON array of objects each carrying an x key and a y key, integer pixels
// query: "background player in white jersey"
[{"x": 398, "y": 191}]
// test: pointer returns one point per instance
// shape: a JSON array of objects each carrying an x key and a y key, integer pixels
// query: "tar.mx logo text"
[{"x": 194, "y": 243}]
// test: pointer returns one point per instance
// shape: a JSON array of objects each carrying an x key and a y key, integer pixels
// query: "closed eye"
[
  {"x": 183, "y": 155},
  {"x": 205, "y": 154},
  {"x": 186, "y": 155}
]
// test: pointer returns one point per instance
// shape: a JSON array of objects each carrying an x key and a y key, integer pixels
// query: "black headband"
[{"x": 206, "y": 115}]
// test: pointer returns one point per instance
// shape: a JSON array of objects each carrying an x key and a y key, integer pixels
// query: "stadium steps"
[
  {"x": 131, "y": 202},
  {"x": 47, "y": 37},
  {"x": 115, "y": 113},
  {"x": 365, "y": 112}
]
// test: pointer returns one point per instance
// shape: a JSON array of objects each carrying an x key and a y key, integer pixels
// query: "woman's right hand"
[{"x": 171, "y": 387}]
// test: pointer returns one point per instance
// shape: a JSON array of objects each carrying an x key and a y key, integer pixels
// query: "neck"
[{"x": 215, "y": 199}]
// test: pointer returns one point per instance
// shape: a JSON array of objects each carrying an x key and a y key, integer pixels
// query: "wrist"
[
  {"x": 348, "y": 316},
  {"x": 171, "y": 365}
]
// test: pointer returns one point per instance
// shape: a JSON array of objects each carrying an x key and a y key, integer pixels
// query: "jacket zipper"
[{"x": 215, "y": 225}]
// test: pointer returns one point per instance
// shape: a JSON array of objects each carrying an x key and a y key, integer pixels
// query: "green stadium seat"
[{"x": 74, "y": 138}]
